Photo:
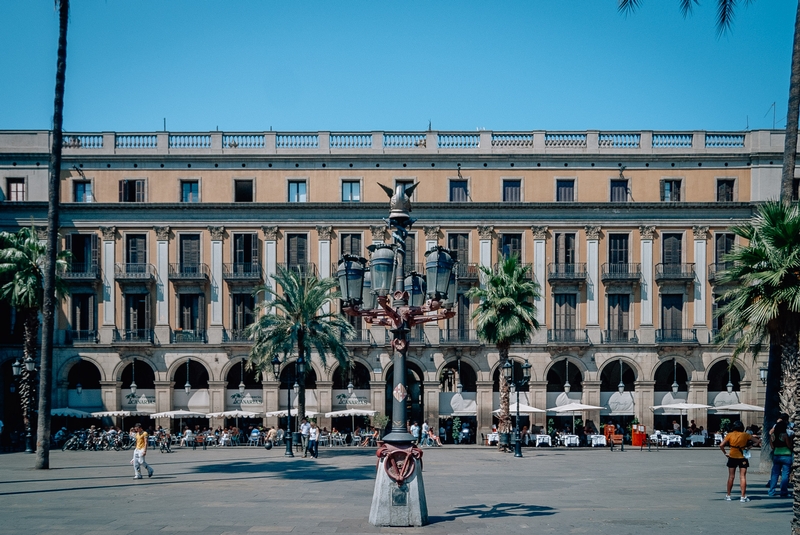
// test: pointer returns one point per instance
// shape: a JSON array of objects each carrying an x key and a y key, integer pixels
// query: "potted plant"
[{"x": 380, "y": 421}]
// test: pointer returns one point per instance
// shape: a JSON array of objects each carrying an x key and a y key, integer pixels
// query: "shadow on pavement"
[
  {"x": 298, "y": 470},
  {"x": 500, "y": 510}
]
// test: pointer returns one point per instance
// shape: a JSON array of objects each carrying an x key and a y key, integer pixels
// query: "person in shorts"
[{"x": 738, "y": 442}]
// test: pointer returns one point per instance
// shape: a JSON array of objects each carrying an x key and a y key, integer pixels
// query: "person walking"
[
  {"x": 738, "y": 441},
  {"x": 781, "y": 444},
  {"x": 313, "y": 440},
  {"x": 139, "y": 454},
  {"x": 305, "y": 432}
]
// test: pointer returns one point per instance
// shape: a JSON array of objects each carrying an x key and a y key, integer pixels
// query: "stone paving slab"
[{"x": 470, "y": 490}]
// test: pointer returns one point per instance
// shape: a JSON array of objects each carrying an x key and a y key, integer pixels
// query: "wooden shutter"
[
  {"x": 618, "y": 312},
  {"x": 133, "y": 312},
  {"x": 140, "y": 191},
  {"x": 201, "y": 312},
  {"x": 663, "y": 186},
  {"x": 411, "y": 253},
  {"x": 618, "y": 249},
  {"x": 459, "y": 246},
  {"x": 565, "y": 311},
  {"x": 146, "y": 298},
  {"x": 672, "y": 249},
  {"x": 298, "y": 250},
  {"x": 91, "y": 312},
  {"x": 238, "y": 311},
  {"x": 122, "y": 184},
  {"x": 95, "y": 247},
  {"x": 463, "y": 313},
  {"x": 676, "y": 190},
  {"x": 565, "y": 248},
  {"x": 190, "y": 250},
  {"x": 511, "y": 191},
  {"x": 672, "y": 312},
  {"x": 238, "y": 248},
  {"x": 724, "y": 245},
  {"x": 68, "y": 242},
  {"x": 254, "y": 248},
  {"x": 137, "y": 249}
]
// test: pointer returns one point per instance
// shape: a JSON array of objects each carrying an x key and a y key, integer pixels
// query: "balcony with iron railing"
[
  {"x": 133, "y": 336},
  {"x": 458, "y": 336},
  {"x": 242, "y": 272},
  {"x": 467, "y": 271},
  {"x": 188, "y": 272},
  {"x": 528, "y": 271},
  {"x": 675, "y": 273},
  {"x": 715, "y": 269},
  {"x": 189, "y": 336},
  {"x": 567, "y": 336},
  {"x": 80, "y": 271},
  {"x": 304, "y": 270},
  {"x": 621, "y": 272},
  {"x": 134, "y": 272},
  {"x": 236, "y": 336},
  {"x": 362, "y": 337},
  {"x": 618, "y": 336},
  {"x": 81, "y": 336},
  {"x": 713, "y": 337},
  {"x": 676, "y": 336},
  {"x": 557, "y": 273}
]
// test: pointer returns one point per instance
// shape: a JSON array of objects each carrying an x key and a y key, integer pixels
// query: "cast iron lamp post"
[
  {"x": 24, "y": 372},
  {"x": 401, "y": 304},
  {"x": 276, "y": 371},
  {"x": 517, "y": 383}
]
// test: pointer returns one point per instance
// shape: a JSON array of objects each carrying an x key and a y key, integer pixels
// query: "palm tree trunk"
[
  {"x": 30, "y": 334},
  {"x": 771, "y": 396},
  {"x": 790, "y": 146},
  {"x": 301, "y": 379},
  {"x": 504, "y": 418},
  {"x": 49, "y": 302}
]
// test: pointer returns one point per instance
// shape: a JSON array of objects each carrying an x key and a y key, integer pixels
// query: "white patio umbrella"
[
  {"x": 574, "y": 408},
  {"x": 72, "y": 413},
  {"x": 237, "y": 413},
  {"x": 114, "y": 414},
  {"x": 739, "y": 407},
  {"x": 282, "y": 413},
  {"x": 527, "y": 409},
  {"x": 680, "y": 407},
  {"x": 352, "y": 413},
  {"x": 180, "y": 414}
]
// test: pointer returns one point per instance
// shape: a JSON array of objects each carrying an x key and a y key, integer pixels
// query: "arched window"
[
  {"x": 198, "y": 376},
  {"x": 666, "y": 375},
  {"x": 609, "y": 377},
  {"x": 86, "y": 374},
  {"x": 718, "y": 377},
  {"x": 251, "y": 378},
  {"x": 556, "y": 377},
  {"x": 450, "y": 378},
  {"x": 358, "y": 373},
  {"x": 145, "y": 377}
]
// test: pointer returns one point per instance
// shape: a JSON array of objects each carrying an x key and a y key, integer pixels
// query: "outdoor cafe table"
[
  {"x": 542, "y": 439},
  {"x": 666, "y": 440},
  {"x": 597, "y": 440},
  {"x": 569, "y": 440},
  {"x": 697, "y": 439}
]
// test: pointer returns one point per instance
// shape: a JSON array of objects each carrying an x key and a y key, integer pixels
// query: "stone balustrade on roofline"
[{"x": 482, "y": 142}]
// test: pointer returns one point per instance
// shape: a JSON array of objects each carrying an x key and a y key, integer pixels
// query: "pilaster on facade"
[
  {"x": 215, "y": 329},
  {"x": 701, "y": 236},
  {"x": 646, "y": 286},
  {"x": 592, "y": 282},
  {"x": 109, "y": 291},
  {"x": 162, "y": 329}
]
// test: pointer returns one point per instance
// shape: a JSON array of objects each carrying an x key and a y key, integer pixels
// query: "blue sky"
[{"x": 379, "y": 65}]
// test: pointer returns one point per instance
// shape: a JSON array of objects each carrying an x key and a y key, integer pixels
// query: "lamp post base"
[{"x": 399, "y": 505}]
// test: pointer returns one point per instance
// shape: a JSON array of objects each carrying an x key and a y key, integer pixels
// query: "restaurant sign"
[
  {"x": 251, "y": 399},
  {"x": 342, "y": 399},
  {"x": 142, "y": 398}
]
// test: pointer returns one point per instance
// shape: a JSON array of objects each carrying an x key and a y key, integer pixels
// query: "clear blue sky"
[{"x": 382, "y": 65}]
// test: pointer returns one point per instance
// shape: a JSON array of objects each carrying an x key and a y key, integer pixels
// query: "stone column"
[
  {"x": 270, "y": 254},
  {"x": 270, "y": 393},
  {"x": 377, "y": 395},
  {"x": 162, "y": 284},
  {"x": 216, "y": 400},
  {"x": 643, "y": 400},
  {"x": 109, "y": 291},
  {"x": 431, "y": 389},
  {"x": 378, "y": 233},
  {"x": 432, "y": 237},
  {"x": 324, "y": 255},
  {"x": 698, "y": 393},
  {"x": 700, "y": 277},
  {"x": 592, "y": 283},
  {"x": 324, "y": 402},
  {"x": 537, "y": 395},
  {"x": 540, "y": 276},
  {"x": 110, "y": 394},
  {"x": 484, "y": 400},
  {"x": 485, "y": 247},
  {"x": 163, "y": 401},
  {"x": 591, "y": 396},
  {"x": 215, "y": 318},
  {"x": 647, "y": 333}
]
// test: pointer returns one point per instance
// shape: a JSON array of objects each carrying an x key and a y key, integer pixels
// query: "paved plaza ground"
[{"x": 469, "y": 490}]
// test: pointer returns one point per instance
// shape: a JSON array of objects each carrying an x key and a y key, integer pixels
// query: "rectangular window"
[
  {"x": 297, "y": 191},
  {"x": 242, "y": 191},
  {"x": 565, "y": 315},
  {"x": 723, "y": 244},
  {"x": 458, "y": 243},
  {"x": 85, "y": 251},
  {"x": 725, "y": 190},
  {"x": 243, "y": 307},
  {"x": 190, "y": 191},
  {"x": 350, "y": 244},
  {"x": 671, "y": 190},
  {"x": 458, "y": 191},
  {"x": 245, "y": 251},
  {"x": 137, "y": 313},
  {"x": 15, "y": 187},
  {"x": 618, "y": 316},
  {"x": 297, "y": 251},
  {"x": 406, "y": 183},
  {"x": 565, "y": 248},
  {"x": 672, "y": 315},
  {"x": 618, "y": 249},
  {"x": 191, "y": 312},
  {"x": 512, "y": 190},
  {"x": 136, "y": 249},
  {"x": 131, "y": 191},
  {"x": 82, "y": 191},
  {"x": 190, "y": 253},
  {"x": 82, "y": 312},
  {"x": 511, "y": 245},
  {"x": 411, "y": 253},
  {"x": 671, "y": 250},
  {"x": 565, "y": 190},
  {"x": 619, "y": 191},
  {"x": 351, "y": 191}
]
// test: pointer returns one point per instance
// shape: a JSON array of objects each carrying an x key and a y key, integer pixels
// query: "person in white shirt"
[
  {"x": 313, "y": 440},
  {"x": 415, "y": 432},
  {"x": 425, "y": 432},
  {"x": 305, "y": 430}
]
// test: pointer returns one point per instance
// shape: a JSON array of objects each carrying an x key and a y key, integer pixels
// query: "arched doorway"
[
  {"x": 618, "y": 406},
  {"x": 719, "y": 377},
  {"x": 191, "y": 376},
  {"x": 671, "y": 386},
  {"x": 286, "y": 393},
  {"x": 83, "y": 387},
  {"x": 357, "y": 375},
  {"x": 458, "y": 402},
  {"x": 144, "y": 399},
  {"x": 414, "y": 386},
  {"x": 243, "y": 391},
  {"x": 564, "y": 386},
  {"x": 524, "y": 419}
]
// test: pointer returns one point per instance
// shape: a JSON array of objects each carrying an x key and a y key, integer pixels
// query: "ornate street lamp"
[
  {"x": 241, "y": 380},
  {"x": 350, "y": 386},
  {"x": 621, "y": 385},
  {"x": 459, "y": 386},
  {"x": 566, "y": 382},
  {"x": 385, "y": 295},
  {"x": 762, "y": 374},
  {"x": 517, "y": 383},
  {"x": 287, "y": 439},
  {"x": 729, "y": 386},
  {"x": 188, "y": 386},
  {"x": 133, "y": 376},
  {"x": 79, "y": 388},
  {"x": 675, "y": 385}
]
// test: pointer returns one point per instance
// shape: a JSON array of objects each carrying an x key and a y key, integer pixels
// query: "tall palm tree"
[
  {"x": 765, "y": 299},
  {"x": 506, "y": 315},
  {"x": 22, "y": 262},
  {"x": 293, "y": 322},
  {"x": 50, "y": 281}
]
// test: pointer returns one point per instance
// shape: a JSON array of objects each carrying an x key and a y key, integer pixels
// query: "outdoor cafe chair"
[{"x": 254, "y": 440}]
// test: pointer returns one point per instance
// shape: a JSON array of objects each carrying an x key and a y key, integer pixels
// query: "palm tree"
[
  {"x": 22, "y": 261},
  {"x": 765, "y": 298},
  {"x": 50, "y": 281},
  {"x": 293, "y": 322},
  {"x": 506, "y": 315}
]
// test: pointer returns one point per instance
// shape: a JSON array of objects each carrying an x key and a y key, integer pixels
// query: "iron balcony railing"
[
  {"x": 675, "y": 272},
  {"x": 570, "y": 336},
  {"x": 189, "y": 336},
  {"x": 134, "y": 272},
  {"x": 528, "y": 271},
  {"x": 242, "y": 271},
  {"x": 363, "y": 336},
  {"x": 188, "y": 272},
  {"x": 621, "y": 272},
  {"x": 618, "y": 336},
  {"x": 458, "y": 336},
  {"x": 714, "y": 270},
  {"x": 133, "y": 336},
  {"x": 305, "y": 270},
  {"x": 566, "y": 272},
  {"x": 467, "y": 271},
  {"x": 81, "y": 336},
  {"x": 676, "y": 336},
  {"x": 713, "y": 337},
  {"x": 80, "y": 271},
  {"x": 235, "y": 335}
]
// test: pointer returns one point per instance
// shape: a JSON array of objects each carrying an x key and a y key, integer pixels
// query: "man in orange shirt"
[
  {"x": 140, "y": 452},
  {"x": 738, "y": 441}
]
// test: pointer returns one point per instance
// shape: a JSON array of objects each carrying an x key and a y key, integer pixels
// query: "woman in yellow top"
[{"x": 738, "y": 441}]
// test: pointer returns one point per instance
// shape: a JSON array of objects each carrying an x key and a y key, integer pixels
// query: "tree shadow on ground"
[
  {"x": 292, "y": 470},
  {"x": 500, "y": 510}
]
